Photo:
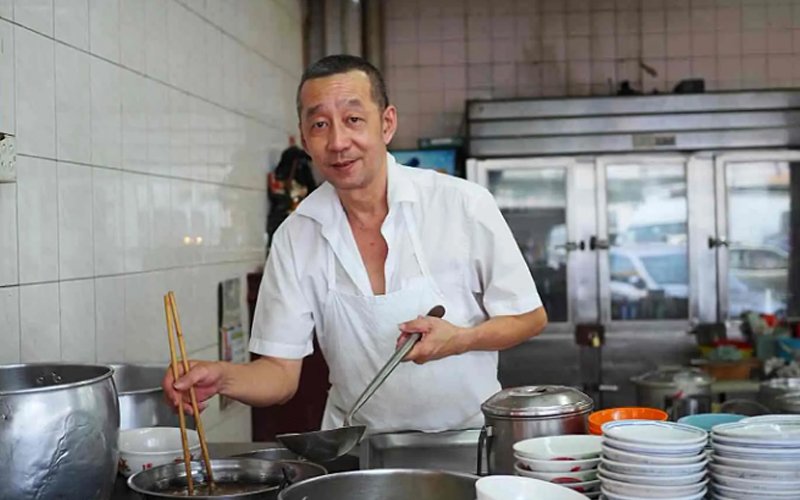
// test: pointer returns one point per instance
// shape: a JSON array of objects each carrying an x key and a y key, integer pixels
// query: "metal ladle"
[{"x": 323, "y": 446}]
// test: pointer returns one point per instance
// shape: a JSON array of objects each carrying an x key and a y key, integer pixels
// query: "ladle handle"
[{"x": 388, "y": 368}]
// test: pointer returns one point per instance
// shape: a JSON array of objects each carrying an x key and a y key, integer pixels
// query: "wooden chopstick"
[
  {"x": 187, "y": 457},
  {"x": 192, "y": 394}
]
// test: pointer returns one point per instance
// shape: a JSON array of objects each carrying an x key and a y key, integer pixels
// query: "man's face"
[{"x": 343, "y": 129}]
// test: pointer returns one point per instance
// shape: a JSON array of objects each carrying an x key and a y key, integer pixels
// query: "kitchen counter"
[{"x": 222, "y": 450}]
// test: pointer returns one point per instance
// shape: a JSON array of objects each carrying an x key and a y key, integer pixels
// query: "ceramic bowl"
[
  {"x": 146, "y": 447},
  {"x": 706, "y": 421},
  {"x": 645, "y": 459},
  {"x": 754, "y": 453},
  {"x": 667, "y": 434},
  {"x": 758, "y": 485},
  {"x": 522, "y": 488},
  {"x": 678, "y": 480},
  {"x": 650, "y": 491},
  {"x": 558, "y": 477},
  {"x": 598, "y": 418},
  {"x": 776, "y": 464},
  {"x": 651, "y": 470},
  {"x": 614, "y": 496},
  {"x": 666, "y": 450},
  {"x": 752, "y": 473},
  {"x": 557, "y": 465},
  {"x": 566, "y": 447},
  {"x": 741, "y": 494}
]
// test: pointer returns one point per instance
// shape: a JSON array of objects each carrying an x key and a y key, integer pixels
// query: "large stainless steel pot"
[
  {"x": 385, "y": 484},
  {"x": 770, "y": 390},
  {"x": 141, "y": 399},
  {"x": 680, "y": 391},
  {"x": 58, "y": 432},
  {"x": 526, "y": 412}
]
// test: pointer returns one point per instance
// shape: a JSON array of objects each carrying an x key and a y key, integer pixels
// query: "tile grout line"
[
  {"x": 136, "y": 172},
  {"x": 135, "y": 273},
  {"x": 150, "y": 77},
  {"x": 16, "y": 187},
  {"x": 58, "y": 190}
]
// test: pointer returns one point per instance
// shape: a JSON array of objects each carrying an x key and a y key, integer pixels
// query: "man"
[{"x": 363, "y": 259}]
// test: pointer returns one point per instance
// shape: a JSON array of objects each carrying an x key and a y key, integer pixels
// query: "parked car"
[
  {"x": 649, "y": 281},
  {"x": 760, "y": 267}
]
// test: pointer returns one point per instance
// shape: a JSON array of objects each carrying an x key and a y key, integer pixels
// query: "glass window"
[
  {"x": 647, "y": 230},
  {"x": 534, "y": 203},
  {"x": 758, "y": 203}
]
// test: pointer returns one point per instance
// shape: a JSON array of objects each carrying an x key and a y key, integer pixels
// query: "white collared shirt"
[{"x": 472, "y": 254}]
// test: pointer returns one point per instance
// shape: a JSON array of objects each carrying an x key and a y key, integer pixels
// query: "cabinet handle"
[
  {"x": 571, "y": 246},
  {"x": 717, "y": 242},
  {"x": 597, "y": 244}
]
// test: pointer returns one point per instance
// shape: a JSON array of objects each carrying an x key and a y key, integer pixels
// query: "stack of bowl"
[
  {"x": 643, "y": 459},
  {"x": 569, "y": 460},
  {"x": 598, "y": 418},
  {"x": 707, "y": 421},
  {"x": 756, "y": 457}
]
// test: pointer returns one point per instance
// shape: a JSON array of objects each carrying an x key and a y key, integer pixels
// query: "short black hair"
[{"x": 344, "y": 63}]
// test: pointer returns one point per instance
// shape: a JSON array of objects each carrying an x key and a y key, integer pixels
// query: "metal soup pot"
[
  {"x": 58, "y": 432},
  {"x": 385, "y": 484},
  {"x": 141, "y": 398},
  {"x": 527, "y": 412},
  {"x": 680, "y": 391},
  {"x": 770, "y": 391},
  {"x": 235, "y": 478}
]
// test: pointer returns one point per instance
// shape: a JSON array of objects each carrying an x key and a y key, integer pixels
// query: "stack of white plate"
[
  {"x": 569, "y": 460},
  {"x": 645, "y": 459},
  {"x": 756, "y": 458}
]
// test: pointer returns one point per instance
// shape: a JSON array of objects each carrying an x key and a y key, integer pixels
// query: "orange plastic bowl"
[{"x": 598, "y": 418}]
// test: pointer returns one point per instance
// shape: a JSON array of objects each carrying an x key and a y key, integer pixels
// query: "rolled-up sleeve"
[
  {"x": 283, "y": 323},
  {"x": 507, "y": 287}
]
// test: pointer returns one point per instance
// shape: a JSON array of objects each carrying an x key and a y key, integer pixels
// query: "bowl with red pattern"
[{"x": 146, "y": 447}]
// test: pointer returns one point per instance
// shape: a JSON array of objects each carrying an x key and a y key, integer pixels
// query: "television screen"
[{"x": 443, "y": 160}]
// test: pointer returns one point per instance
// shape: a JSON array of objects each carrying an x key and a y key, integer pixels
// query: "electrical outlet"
[{"x": 8, "y": 158}]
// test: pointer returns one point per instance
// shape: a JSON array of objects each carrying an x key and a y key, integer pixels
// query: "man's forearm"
[
  {"x": 263, "y": 382},
  {"x": 503, "y": 332}
]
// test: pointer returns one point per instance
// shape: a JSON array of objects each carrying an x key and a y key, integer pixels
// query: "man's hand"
[
  {"x": 206, "y": 377},
  {"x": 440, "y": 339}
]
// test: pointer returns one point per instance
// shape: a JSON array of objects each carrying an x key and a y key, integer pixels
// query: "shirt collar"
[{"x": 323, "y": 204}]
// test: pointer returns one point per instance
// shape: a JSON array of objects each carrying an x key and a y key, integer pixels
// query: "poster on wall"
[{"x": 232, "y": 337}]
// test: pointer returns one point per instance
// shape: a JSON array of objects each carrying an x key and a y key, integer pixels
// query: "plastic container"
[{"x": 598, "y": 418}]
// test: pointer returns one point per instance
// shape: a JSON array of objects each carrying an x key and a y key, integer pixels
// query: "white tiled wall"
[
  {"x": 440, "y": 52},
  {"x": 144, "y": 130}
]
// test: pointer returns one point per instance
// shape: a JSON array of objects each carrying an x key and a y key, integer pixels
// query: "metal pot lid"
[
  {"x": 537, "y": 401},
  {"x": 784, "y": 384},
  {"x": 670, "y": 377}
]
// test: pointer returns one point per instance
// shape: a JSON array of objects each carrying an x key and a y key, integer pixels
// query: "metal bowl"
[
  {"x": 270, "y": 477},
  {"x": 385, "y": 484}
]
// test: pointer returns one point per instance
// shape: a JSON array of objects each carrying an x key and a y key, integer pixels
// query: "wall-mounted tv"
[{"x": 445, "y": 160}]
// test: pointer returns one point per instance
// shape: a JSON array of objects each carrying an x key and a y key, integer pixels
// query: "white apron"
[{"x": 359, "y": 334}]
